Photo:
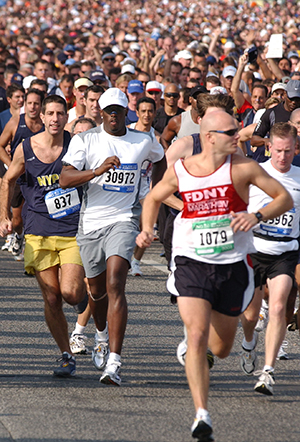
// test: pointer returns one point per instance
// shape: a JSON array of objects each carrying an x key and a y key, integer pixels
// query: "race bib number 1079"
[{"x": 212, "y": 236}]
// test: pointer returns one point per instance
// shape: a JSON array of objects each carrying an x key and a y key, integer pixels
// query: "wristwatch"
[{"x": 259, "y": 216}]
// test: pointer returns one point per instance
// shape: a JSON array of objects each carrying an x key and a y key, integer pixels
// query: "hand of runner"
[
  {"x": 109, "y": 163},
  {"x": 144, "y": 239},
  {"x": 242, "y": 221},
  {"x": 5, "y": 227}
]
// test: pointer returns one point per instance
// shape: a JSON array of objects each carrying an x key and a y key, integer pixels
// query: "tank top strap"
[
  {"x": 27, "y": 149},
  {"x": 196, "y": 144}
]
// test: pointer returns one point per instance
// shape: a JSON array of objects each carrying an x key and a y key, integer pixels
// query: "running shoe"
[
  {"x": 17, "y": 244},
  {"x": 111, "y": 374},
  {"x": 100, "y": 352},
  {"x": 8, "y": 243},
  {"x": 67, "y": 367},
  {"x": 181, "y": 354},
  {"x": 77, "y": 344},
  {"x": 282, "y": 354},
  {"x": 293, "y": 325},
  {"x": 249, "y": 359},
  {"x": 20, "y": 256},
  {"x": 262, "y": 319},
  {"x": 135, "y": 269},
  {"x": 202, "y": 429},
  {"x": 155, "y": 233},
  {"x": 265, "y": 382}
]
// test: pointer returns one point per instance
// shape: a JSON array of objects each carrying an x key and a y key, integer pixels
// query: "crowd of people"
[{"x": 99, "y": 102}]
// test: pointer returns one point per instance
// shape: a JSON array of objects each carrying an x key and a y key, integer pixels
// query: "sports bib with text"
[
  {"x": 282, "y": 225},
  {"x": 212, "y": 236},
  {"x": 122, "y": 179},
  {"x": 62, "y": 202}
]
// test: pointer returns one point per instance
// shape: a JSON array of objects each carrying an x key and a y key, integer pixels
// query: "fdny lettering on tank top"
[
  {"x": 204, "y": 202},
  {"x": 210, "y": 236},
  {"x": 123, "y": 179}
]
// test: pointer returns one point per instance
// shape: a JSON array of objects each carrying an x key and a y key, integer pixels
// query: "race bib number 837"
[{"x": 62, "y": 202}]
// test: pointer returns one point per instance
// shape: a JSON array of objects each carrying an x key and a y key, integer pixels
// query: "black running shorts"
[
  {"x": 228, "y": 287},
  {"x": 268, "y": 266},
  {"x": 17, "y": 198}
]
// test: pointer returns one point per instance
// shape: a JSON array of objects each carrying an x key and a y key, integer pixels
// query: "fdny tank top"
[
  {"x": 22, "y": 132},
  {"x": 202, "y": 229},
  {"x": 51, "y": 211}
]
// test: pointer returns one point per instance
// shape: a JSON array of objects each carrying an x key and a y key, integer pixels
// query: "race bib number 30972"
[{"x": 122, "y": 179}]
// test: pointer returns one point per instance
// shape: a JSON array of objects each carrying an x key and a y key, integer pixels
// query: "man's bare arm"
[
  {"x": 235, "y": 87},
  {"x": 6, "y": 137},
  {"x": 258, "y": 141},
  {"x": 170, "y": 131},
  {"x": 15, "y": 170},
  {"x": 166, "y": 187},
  {"x": 281, "y": 203},
  {"x": 182, "y": 148},
  {"x": 70, "y": 176}
]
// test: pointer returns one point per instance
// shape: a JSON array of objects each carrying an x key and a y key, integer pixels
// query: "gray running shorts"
[{"x": 97, "y": 246}]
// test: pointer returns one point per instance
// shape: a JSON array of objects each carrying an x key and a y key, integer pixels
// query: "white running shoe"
[
  {"x": 77, "y": 344},
  {"x": 282, "y": 354},
  {"x": 265, "y": 382},
  {"x": 202, "y": 429},
  {"x": 181, "y": 351},
  {"x": 111, "y": 374},
  {"x": 249, "y": 359},
  {"x": 8, "y": 243},
  {"x": 262, "y": 319},
  {"x": 17, "y": 245},
  {"x": 135, "y": 269},
  {"x": 100, "y": 352}
]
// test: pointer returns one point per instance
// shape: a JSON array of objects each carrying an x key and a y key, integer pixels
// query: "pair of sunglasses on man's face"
[
  {"x": 171, "y": 95},
  {"x": 229, "y": 132}
]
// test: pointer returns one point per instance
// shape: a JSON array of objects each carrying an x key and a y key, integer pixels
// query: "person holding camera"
[{"x": 246, "y": 110}]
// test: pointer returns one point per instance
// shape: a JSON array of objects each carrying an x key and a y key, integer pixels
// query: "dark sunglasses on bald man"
[
  {"x": 172, "y": 94},
  {"x": 229, "y": 132}
]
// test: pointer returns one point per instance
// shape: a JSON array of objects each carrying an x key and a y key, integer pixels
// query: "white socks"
[{"x": 79, "y": 329}]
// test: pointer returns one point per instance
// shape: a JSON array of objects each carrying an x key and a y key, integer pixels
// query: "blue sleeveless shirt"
[
  {"x": 45, "y": 200},
  {"x": 22, "y": 132}
]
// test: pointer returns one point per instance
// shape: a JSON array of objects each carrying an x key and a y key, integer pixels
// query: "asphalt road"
[{"x": 153, "y": 402}]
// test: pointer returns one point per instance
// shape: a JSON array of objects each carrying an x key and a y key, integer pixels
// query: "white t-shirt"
[
  {"x": 284, "y": 226},
  {"x": 113, "y": 196},
  {"x": 72, "y": 114}
]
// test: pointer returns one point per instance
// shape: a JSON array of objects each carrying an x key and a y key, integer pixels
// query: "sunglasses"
[
  {"x": 170, "y": 95},
  {"x": 229, "y": 132},
  {"x": 153, "y": 92},
  {"x": 109, "y": 59},
  {"x": 113, "y": 109}
]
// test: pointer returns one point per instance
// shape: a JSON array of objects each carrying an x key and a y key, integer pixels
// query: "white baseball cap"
[
  {"x": 128, "y": 68},
  {"x": 153, "y": 86},
  {"x": 113, "y": 96},
  {"x": 229, "y": 71}
]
